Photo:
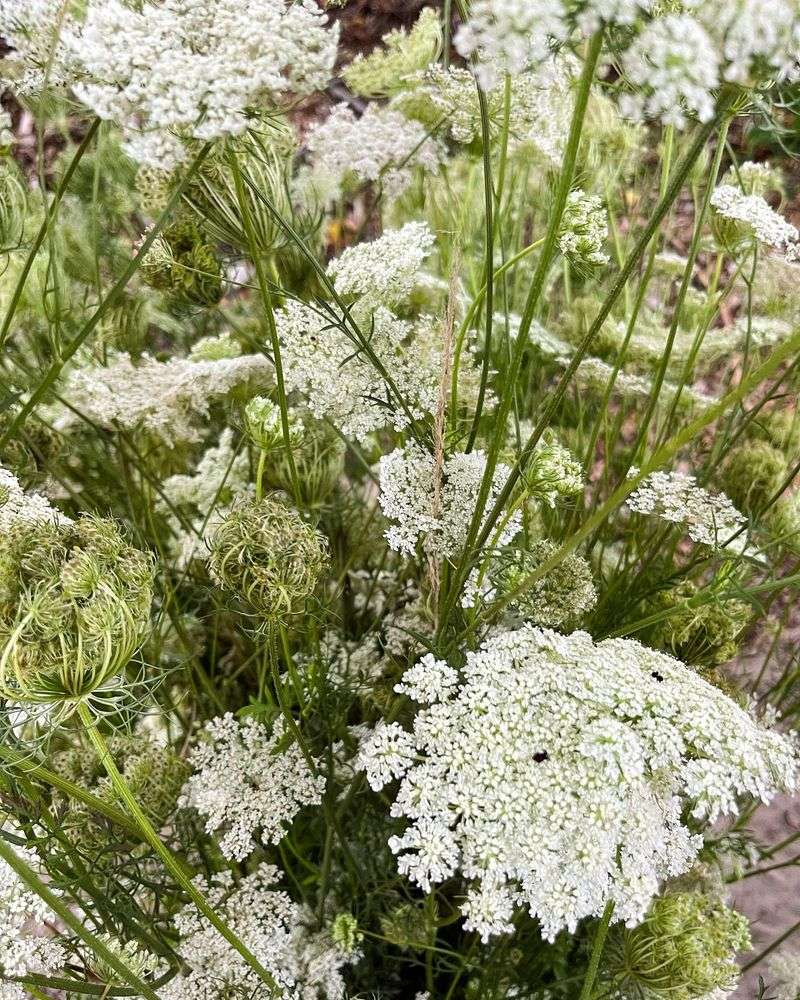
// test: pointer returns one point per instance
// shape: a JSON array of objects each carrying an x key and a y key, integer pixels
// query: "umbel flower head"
[
  {"x": 555, "y": 774},
  {"x": 74, "y": 607},
  {"x": 267, "y": 555}
]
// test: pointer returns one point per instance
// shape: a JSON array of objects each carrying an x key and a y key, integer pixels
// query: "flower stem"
[
  {"x": 127, "y": 798},
  {"x": 597, "y": 951}
]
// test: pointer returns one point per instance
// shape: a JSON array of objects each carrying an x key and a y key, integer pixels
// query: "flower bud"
[{"x": 262, "y": 421}]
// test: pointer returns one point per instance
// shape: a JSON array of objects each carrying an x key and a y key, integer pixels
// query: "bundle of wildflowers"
[{"x": 399, "y": 501}]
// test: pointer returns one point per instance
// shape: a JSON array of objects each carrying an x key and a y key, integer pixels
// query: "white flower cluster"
[
  {"x": 243, "y": 784},
  {"x": 674, "y": 68},
  {"x": 305, "y": 964},
  {"x": 584, "y": 229},
  {"x": 25, "y": 947},
  {"x": 678, "y": 62},
  {"x": 539, "y": 112},
  {"x": 166, "y": 398},
  {"x": 555, "y": 776},
  {"x": 381, "y": 144},
  {"x": 33, "y": 30},
  {"x": 339, "y": 383},
  {"x": 675, "y": 497},
  {"x": 767, "y": 225},
  {"x": 192, "y": 68},
  {"x": 17, "y": 505},
  {"x": 406, "y": 498},
  {"x": 329, "y": 368},
  {"x": 383, "y": 272}
]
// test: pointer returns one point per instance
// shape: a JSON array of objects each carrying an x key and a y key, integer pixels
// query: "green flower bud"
[
  {"x": 552, "y": 472},
  {"x": 564, "y": 594},
  {"x": 702, "y": 636},
  {"x": 74, "y": 608},
  {"x": 181, "y": 263},
  {"x": 384, "y": 71},
  {"x": 262, "y": 421},
  {"x": 345, "y": 933},
  {"x": 266, "y": 554},
  {"x": 753, "y": 474},
  {"x": 685, "y": 949}
]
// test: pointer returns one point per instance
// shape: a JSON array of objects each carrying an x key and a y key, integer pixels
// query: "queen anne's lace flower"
[
  {"x": 304, "y": 963},
  {"x": 193, "y": 67},
  {"x": 555, "y": 776},
  {"x": 406, "y": 497},
  {"x": 383, "y": 273},
  {"x": 676, "y": 497},
  {"x": 17, "y": 505},
  {"x": 584, "y": 229},
  {"x": 166, "y": 398},
  {"x": 751, "y": 209},
  {"x": 381, "y": 144},
  {"x": 674, "y": 66},
  {"x": 342, "y": 385},
  {"x": 246, "y": 786}
]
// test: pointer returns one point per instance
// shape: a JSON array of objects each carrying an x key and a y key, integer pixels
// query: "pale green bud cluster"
[
  {"x": 140, "y": 962},
  {"x": 74, "y": 607},
  {"x": 385, "y": 70},
  {"x": 318, "y": 455},
  {"x": 753, "y": 474},
  {"x": 685, "y": 949},
  {"x": 552, "y": 472},
  {"x": 345, "y": 933},
  {"x": 266, "y": 554},
  {"x": 564, "y": 594},
  {"x": 704, "y": 635},
  {"x": 262, "y": 421}
]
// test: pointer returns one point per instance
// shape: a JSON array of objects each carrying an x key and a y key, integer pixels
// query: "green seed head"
[
  {"x": 266, "y": 554},
  {"x": 74, "y": 608}
]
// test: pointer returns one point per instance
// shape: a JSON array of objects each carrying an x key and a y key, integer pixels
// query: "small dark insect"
[
  {"x": 541, "y": 756},
  {"x": 657, "y": 676}
]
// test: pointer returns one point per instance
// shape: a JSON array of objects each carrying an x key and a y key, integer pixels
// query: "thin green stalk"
[
  {"x": 148, "y": 831},
  {"x": 44, "y": 229},
  {"x": 269, "y": 318},
  {"x": 597, "y": 952},
  {"x": 657, "y": 460},
  {"x": 55, "y": 369},
  {"x": 488, "y": 211},
  {"x": 76, "y": 924},
  {"x": 555, "y": 397},
  {"x": 534, "y": 293}
]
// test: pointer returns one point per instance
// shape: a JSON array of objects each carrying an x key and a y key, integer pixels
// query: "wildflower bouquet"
[{"x": 398, "y": 521}]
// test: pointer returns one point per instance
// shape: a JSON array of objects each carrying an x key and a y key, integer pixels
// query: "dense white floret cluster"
[
  {"x": 383, "y": 272},
  {"x": 25, "y": 947},
  {"x": 34, "y": 29},
  {"x": 380, "y": 145},
  {"x": 192, "y": 68},
  {"x": 555, "y": 776},
  {"x": 339, "y": 383},
  {"x": 784, "y": 975},
  {"x": 168, "y": 398},
  {"x": 674, "y": 68},
  {"x": 17, "y": 505},
  {"x": 305, "y": 963},
  {"x": 407, "y": 498},
  {"x": 709, "y": 518},
  {"x": 246, "y": 786},
  {"x": 766, "y": 225}
]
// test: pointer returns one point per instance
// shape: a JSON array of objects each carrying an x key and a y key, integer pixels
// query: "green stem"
[
  {"x": 126, "y": 796},
  {"x": 534, "y": 294},
  {"x": 269, "y": 318},
  {"x": 597, "y": 952},
  {"x": 72, "y": 921},
  {"x": 44, "y": 229}
]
